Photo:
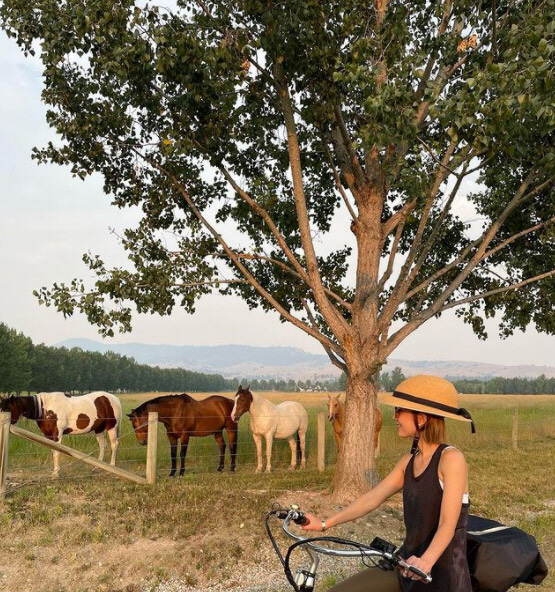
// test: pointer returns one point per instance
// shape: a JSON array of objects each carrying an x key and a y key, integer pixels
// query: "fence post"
[
  {"x": 152, "y": 447},
  {"x": 321, "y": 442},
  {"x": 515, "y": 429},
  {"x": 5, "y": 420}
]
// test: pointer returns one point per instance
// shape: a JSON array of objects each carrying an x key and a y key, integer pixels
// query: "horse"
[
  {"x": 57, "y": 414},
  {"x": 184, "y": 417},
  {"x": 270, "y": 421},
  {"x": 336, "y": 414}
]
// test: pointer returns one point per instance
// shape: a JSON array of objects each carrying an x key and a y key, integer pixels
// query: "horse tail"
[{"x": 299, "y": 454}]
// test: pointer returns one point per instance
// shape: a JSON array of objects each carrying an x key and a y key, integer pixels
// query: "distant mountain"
[
  {"x": 458, "y": 369},
  {"x": 246, "y": 361},
  {"x": 243, "y": 361}
]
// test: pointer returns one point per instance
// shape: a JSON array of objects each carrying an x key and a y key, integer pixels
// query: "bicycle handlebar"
[{"x": 383, "y": 552}]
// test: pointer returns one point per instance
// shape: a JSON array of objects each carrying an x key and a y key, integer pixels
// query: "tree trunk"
[{"x": 356, "y": 465}]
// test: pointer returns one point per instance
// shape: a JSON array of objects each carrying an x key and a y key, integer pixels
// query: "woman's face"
[{"x": 404, "y": 418}]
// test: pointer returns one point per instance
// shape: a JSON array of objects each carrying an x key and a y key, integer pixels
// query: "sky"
[{"x": 48, "y": 219}]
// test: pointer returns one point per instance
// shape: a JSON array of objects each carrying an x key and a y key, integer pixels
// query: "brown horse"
[
  {"x": 184, "y": 417},
  {"x": 336, "y": 414}
]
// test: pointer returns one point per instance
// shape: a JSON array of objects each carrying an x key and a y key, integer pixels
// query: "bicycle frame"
[{"x": 383, "y": 552}]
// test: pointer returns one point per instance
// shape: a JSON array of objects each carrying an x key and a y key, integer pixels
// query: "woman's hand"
[
  {"x": 312, "y": 523},
  {"x": 420, "y": 564}
]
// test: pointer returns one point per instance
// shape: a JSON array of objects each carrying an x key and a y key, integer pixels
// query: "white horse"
[
  {"x": 270, "y": 421},
  {"x": 57, "y": 414}
]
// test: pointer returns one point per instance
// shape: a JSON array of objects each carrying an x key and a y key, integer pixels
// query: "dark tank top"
[{"x": 422, "y": 498}]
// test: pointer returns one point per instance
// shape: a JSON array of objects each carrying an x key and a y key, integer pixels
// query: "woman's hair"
[{"x": 434, "y": 430}]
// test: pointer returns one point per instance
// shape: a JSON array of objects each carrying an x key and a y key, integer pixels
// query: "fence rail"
[{"x": 507, "y": 426}]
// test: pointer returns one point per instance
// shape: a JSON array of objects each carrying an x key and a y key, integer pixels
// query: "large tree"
[{"x": 241, "y": 128}]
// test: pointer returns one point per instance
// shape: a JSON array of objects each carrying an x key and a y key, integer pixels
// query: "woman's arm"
[
  {"x": 454, "y": 469},
  {"x": 367, "y": 501}
]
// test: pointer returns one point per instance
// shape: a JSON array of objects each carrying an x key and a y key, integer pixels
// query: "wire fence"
[{"x": 29, "y": 463}]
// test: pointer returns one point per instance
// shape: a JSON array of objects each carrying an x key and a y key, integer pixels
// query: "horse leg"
[
  {"x": 269, "y": 443},
  {"x": 173, "y": 452},
  {"x": 377, "y": 444},
  {"x": 337, "y": 437},
  {"x": 258, "y": 442},
  {"x": 302, "y": 444},
  {"x": 114, "y": 443},
  {"x": 221, "y": 443},
  {"x": 184, "y": 444},
  {"x": 232, "y": 437},
  {"x": 56, "y": 460},
  {"x": 101, "y": 439},
  {"x": 293, "y": 446}
]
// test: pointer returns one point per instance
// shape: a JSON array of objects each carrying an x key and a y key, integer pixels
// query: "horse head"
[
  {"x": 243, "y": 401},
  {"x": 11, "y": 405},
  {"x": 139, "y": 420},
  {"x": 334, "y": 407}
]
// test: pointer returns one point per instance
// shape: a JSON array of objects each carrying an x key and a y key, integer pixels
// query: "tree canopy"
[{"x": 241, "y": 128}]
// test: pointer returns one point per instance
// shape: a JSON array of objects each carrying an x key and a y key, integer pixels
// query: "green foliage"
[
  {"x": 25, "y": 366},
  {"x": 15, "y": 360},
  {"x": 184, "y": 113}
]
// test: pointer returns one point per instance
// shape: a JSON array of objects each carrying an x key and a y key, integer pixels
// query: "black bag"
[{"x": 501, "y": 556}]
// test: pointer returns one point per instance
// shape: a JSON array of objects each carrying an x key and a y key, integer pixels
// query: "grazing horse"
[
  {"x": 57, "y": 414},
  {"x": 184, "y": 417},
  {"x": 270, "y": 421},
  {"x": 336, "y": 414}
]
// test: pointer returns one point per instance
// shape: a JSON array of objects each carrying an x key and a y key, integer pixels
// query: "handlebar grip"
[
  {"x": 426, "y": 577},
  {"x": 299, "y": 518}
]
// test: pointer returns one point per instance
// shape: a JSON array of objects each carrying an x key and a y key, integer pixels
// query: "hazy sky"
[{"x": 49, "y": 219}]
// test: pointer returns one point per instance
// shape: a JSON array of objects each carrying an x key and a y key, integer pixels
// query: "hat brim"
[{"x": 392, "y": 401}]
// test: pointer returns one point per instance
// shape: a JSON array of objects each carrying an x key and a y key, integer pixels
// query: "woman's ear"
[{"x": 422, "y": 420}]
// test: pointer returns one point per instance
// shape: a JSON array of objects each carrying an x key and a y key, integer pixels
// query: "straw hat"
[{"x": 428, "y": 394}]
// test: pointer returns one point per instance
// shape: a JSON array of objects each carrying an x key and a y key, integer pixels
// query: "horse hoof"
[
  {"x": 171, "y": 475},
  {"x": 220, "y": 469},
  {"x": 291, "y": 468},
  {"x": 258, "y": 471},
  {"x": 232, "y": 470}
]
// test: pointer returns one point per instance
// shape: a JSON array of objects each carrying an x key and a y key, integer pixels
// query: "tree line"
[{"x": 26, "y": 367}]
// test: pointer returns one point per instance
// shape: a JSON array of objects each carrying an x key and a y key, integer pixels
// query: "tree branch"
[
  {"x": 339, "y": 185},
  {"x": 269, "y": 222},
  {"x": 287, "y": 269},
  {"x": 231, "y": 254},
  {"x": 337, "y": 323},
  {"x": 521, "y": 284},
  {"x": 334, "y": 359}
]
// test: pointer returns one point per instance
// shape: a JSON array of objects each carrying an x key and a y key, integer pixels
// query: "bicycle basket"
[{"x": 501, "y": 556}]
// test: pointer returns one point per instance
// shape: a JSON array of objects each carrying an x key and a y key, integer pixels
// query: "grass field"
[{"x": 69, "y": 523}]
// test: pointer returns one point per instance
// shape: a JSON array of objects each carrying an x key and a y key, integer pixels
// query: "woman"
[{"x": 434, "y": 480}]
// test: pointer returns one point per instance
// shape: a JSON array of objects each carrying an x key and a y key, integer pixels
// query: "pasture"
[{"x": 89, "y": 531}]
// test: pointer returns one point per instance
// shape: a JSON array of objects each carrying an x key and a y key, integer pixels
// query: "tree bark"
[{"x": 357, "y": 448}]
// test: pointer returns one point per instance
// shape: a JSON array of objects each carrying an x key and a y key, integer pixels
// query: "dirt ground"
[{"x": 222, "y": 558}]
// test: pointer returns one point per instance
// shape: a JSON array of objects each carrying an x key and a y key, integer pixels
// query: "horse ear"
[{"x": 248, "y": 387}]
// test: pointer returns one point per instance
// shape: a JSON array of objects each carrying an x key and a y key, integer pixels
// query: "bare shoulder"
[
  {"x": 452, "y": 457},
  {"x": 403, "y": 462}
]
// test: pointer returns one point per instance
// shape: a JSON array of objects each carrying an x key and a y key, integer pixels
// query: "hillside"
[{"x": 246, "y": 361}]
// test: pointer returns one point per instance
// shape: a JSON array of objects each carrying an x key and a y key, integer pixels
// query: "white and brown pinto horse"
[
  {"x": 270, "y": 421},
  {"x": 57, "y": 414},
  {"x": 336, "y": 414}
]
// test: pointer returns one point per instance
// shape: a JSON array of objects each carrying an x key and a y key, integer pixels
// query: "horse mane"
[{"x": 156, "y": 401}]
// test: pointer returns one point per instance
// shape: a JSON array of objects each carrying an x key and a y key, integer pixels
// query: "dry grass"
[{"x": 93, "y": 532}]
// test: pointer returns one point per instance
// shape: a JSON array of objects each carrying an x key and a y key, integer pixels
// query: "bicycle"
[{"x": 379, "y": 553}]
